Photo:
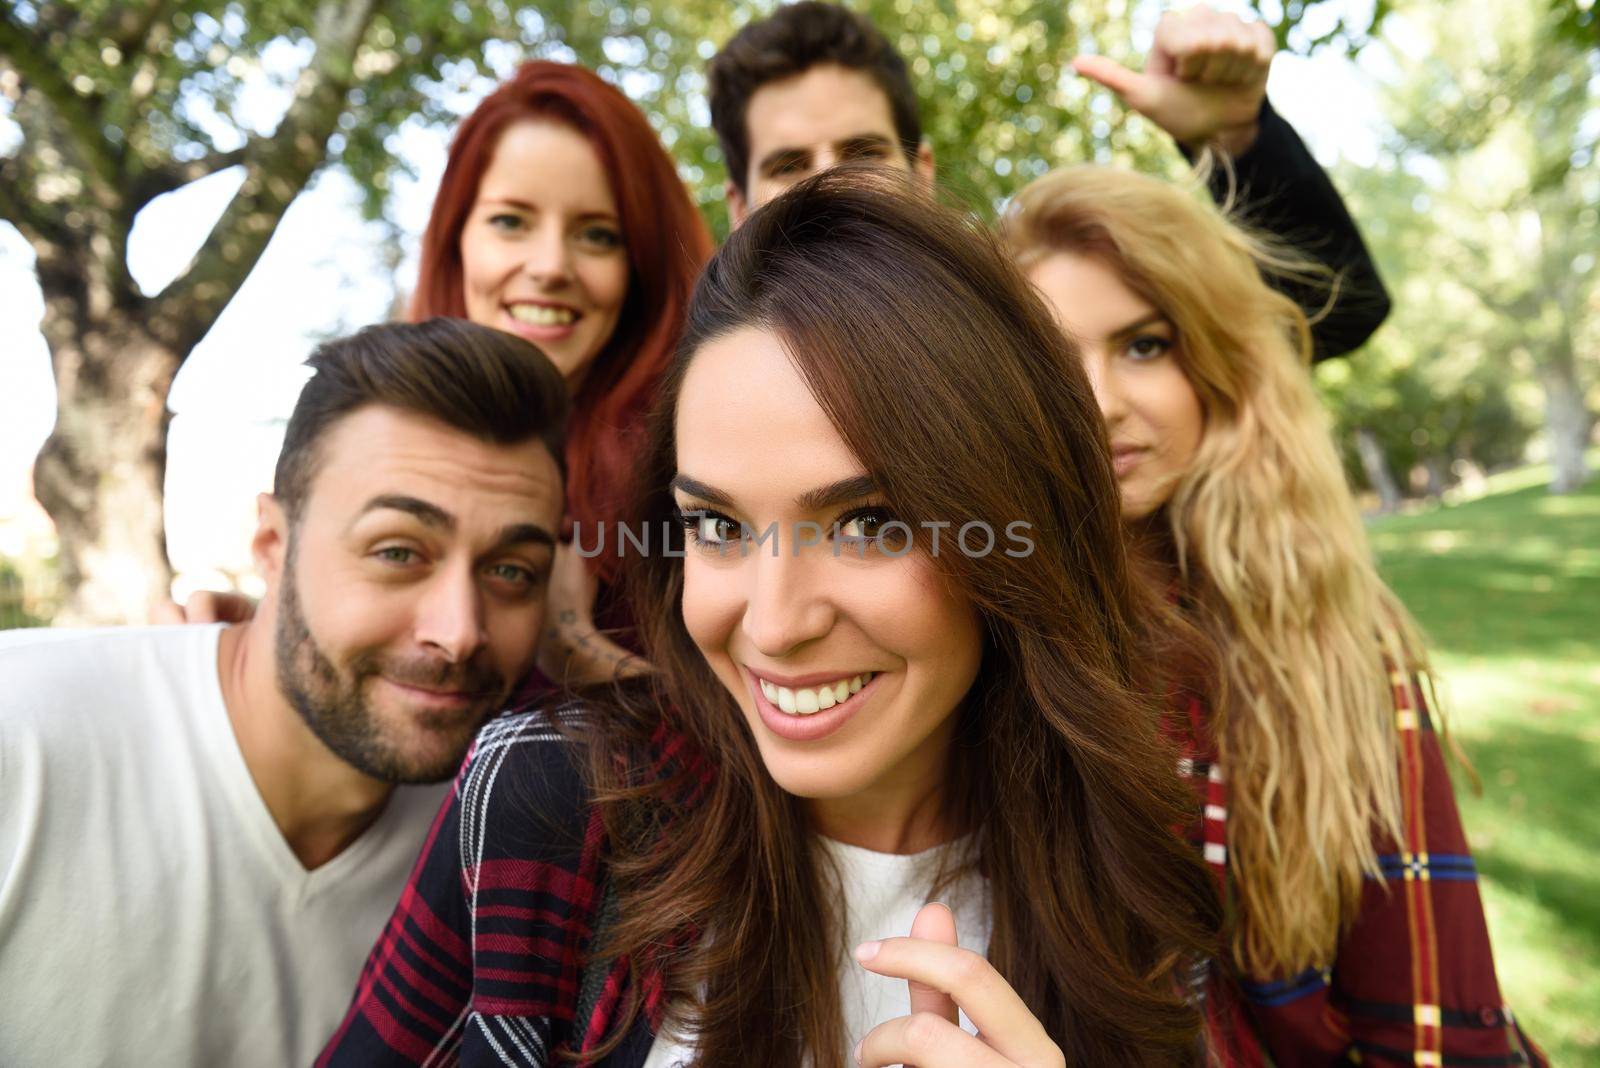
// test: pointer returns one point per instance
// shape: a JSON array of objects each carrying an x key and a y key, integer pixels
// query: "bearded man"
[{"x": 204, "y": 829}]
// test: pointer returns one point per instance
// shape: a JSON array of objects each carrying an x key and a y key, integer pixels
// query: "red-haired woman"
[{"x": 562, "y": 219}]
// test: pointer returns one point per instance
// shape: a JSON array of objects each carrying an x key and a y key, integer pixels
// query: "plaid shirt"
[
  {"x": 481, "y": 962},
  {"x": 1413, "y": 980}
]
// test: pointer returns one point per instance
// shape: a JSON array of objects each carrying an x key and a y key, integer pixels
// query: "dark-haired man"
[
  {"x": 203, "y": 830},
  {"x": 815, "y": 84}
]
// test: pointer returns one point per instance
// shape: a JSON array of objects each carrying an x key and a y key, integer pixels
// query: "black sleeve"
[
  {"x": 1283, "y": 192},
  {"x": 483, "y": 950}
]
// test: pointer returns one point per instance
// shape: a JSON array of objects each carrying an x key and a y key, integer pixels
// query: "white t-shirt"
[
  {"x": 882, "y": 893},
  {"x": 150, "y": 911}
]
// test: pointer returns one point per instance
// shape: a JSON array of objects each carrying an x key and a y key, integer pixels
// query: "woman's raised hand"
[{"x": 944, "y": 978}]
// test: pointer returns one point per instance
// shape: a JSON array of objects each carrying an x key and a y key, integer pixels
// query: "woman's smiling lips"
[
  {"x": 1126, "y": 457},
  {"x": 539, "y": 320},
  {"x": 805, "y": 691}
]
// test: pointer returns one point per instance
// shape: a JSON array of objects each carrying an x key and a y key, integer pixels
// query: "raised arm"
[{"x": 1205, "y": 83}]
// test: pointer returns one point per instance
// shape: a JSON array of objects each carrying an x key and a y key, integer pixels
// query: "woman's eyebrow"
[
  {"x": 841, "y": 492},
  {"x": 1139, "y": 324},
  {"x": 696, "y": 488},
  {"x": 814, "y": 500}
]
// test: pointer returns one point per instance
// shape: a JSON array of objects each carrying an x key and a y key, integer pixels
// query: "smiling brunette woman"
[
  {"x": 848, "y": 722},
  {"x": 1357, "y": 932}
]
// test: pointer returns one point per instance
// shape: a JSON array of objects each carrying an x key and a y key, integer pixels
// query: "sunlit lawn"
[{"x": 1508, "y": 589}]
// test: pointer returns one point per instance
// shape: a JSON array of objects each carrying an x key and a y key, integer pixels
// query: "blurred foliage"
[
  {"x": 1482, "y": 215},
  {"x": 185, "y": 81},
  {"x": 1577, "y": 20},
  {"x": 1309, "y": 25},
  {"x": 27, "y": 592}
]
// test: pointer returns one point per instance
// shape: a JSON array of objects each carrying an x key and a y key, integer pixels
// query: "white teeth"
[
  {"x": 805, "y": 702},
  {"x": 541, "y": 315}
]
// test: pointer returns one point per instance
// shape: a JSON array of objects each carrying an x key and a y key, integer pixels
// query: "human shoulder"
[
  {"x": 54, "y": 649},
  {"x": 110, "y": 675},
  {"x": 524, "y": 781}
]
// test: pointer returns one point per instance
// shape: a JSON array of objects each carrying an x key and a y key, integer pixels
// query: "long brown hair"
[
  {"x": 666, "y": 240},
  {"x": 947, "y": 378},
  {"x": 1271, "y": 552}
]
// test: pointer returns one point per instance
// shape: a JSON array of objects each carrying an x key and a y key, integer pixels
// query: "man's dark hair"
[
  {"x": 790, "y": 42},
  {"x": 484, "y": 382}
]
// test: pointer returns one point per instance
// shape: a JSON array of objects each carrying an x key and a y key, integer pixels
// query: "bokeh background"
[{"x": 197, "y": 192}]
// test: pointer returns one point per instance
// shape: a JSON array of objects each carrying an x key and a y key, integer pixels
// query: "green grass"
[{"x": 1507, "y": 588}]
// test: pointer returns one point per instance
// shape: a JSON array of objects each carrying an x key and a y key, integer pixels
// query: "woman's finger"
[
  {"x": 926, "y": 1041},
  {"x": 988, "y": 1000},
  {"x": 934, "y": 923}
]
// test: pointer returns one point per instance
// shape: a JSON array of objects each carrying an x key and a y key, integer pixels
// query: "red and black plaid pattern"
[
  {"x": 1413, "y": 982},
  {"x": 481, "y": 960}
]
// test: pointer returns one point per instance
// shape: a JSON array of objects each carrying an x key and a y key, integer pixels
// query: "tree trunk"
[
  {"x": 1567, "y": 421},
  {"x": 1438, "y": 476},
  {"x": 1376, "y": 467},
  {"x": 100, "y": 474}
]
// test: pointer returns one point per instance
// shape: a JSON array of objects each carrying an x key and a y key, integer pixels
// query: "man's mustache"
[{"x": 472, "y": 677}]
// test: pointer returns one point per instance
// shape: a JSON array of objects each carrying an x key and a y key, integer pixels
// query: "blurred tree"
[
  {"x": 121, "y": 101},
  {"x": 117, "y": 104},
  {"x": 1444, "y": 385},
  {"x": 1576, "y": 20},
  {"x": 1494, "y": 112}
]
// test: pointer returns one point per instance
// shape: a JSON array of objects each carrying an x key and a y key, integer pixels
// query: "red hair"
[{"x": 667, "y": 244}]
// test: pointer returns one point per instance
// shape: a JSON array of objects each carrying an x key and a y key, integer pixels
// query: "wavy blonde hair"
[{"x": 1271, "y": 553}]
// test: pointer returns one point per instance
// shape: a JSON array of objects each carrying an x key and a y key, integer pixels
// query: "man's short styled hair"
[
  {"x": 790, "y": 42},
  {"x": 486, "y": 383}
]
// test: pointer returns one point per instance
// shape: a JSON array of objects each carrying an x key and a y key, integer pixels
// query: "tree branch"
[
  {"x": 176, "y": 175},
  {"x": 31, "y": 58},
  {"x": 278, "y": 167},
  {"x": 23, "y": 212},
  {"x": 127, "y": 25}
]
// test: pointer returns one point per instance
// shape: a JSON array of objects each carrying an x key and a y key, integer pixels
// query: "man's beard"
[{"x": 334, "y": 703}]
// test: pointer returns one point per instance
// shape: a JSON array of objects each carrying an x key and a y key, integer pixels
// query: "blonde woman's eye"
[{"x": 1149, "y": 347}]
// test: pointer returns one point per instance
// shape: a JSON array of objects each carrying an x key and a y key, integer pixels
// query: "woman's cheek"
[{"x": 711, "y": 605}]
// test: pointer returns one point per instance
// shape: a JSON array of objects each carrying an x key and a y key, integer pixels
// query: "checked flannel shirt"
[
  {"x": 1413, "y": 981},
  {"x": 481, "y": 963}
]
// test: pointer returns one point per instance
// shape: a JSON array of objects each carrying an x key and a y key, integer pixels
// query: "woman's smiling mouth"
[{"x": 808, "y": 713}]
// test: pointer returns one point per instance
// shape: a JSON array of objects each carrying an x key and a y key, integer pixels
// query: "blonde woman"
[{"x": 1357, "y": 930}]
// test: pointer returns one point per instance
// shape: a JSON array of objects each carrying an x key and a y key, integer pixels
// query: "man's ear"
[
  {"x": 923, "y": 167},
  {"x": 737, "y": 208},
  {"x": 270, "y": 544}
]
